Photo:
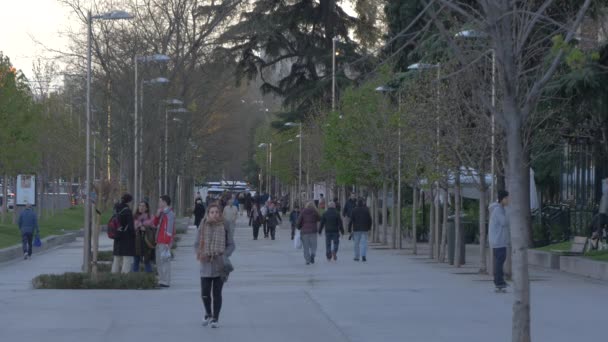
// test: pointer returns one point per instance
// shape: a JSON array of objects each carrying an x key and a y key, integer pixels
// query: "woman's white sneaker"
[{"x": 215, "y": 324}]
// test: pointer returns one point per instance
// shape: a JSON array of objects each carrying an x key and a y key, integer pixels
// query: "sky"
[{"x": 42, "y": 20}]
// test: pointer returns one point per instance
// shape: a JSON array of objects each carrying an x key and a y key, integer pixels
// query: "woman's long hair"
[{"x": 138, "y": 213}]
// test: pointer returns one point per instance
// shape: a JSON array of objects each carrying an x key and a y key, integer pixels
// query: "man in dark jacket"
[
  {"x": 124, "y": 243},
  {"x": 28, "y": 226},
  {"x": 359, "y": 226},
  {"x": 333, "y": 223},
  {"x": 350, "y": 204}
]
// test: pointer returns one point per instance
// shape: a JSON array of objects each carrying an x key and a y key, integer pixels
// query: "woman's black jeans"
[{"x": 211, "y": 291}]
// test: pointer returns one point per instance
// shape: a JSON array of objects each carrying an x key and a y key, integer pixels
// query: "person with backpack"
[
  {"x": 273, "y": 218},
  {"x": 214, "y": 244},
  {"x": 165, "y": 223},
  {"x": 124, "y": 240},
  {"x": 145, "y": 235}
]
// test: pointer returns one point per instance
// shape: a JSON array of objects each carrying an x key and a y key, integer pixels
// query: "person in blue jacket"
[{"x": 28, "y": 225}]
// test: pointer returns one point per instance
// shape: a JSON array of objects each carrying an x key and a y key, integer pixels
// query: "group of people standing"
[{"x": 144, "y": 237}]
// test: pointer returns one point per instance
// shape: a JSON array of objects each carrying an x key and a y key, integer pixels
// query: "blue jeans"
[
  {"x": 500, "y": 256},
  {"x": 360, "y": 239},
  {"x": 329, "y": 238},
  {"x": 147, "y": 264}
]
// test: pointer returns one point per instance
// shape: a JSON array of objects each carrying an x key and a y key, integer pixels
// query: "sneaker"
[
  {"x": 312, "y": 259},
  {"x": 308, "y": 263},
  {"x": 356, "y": 259},
  {"x": 364, "y": 259},
  {"x": 215, "y": 324},
  {"x": 206, "y": 321},
  {"x": 24, "y": 256},
  {"x": 335, "y": 256}
]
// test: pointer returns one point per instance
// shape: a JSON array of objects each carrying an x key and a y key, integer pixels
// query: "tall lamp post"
[
  {"x": 435, "y": 235},
  {"x": 167, "y": 111},
  {"x": 140, "y": 141},
  {"x": 472, "y": 34},
  {"x": 397, "y": 229},
  {"x": 136, "y": 159},
  {"x": 113, "y": 15},
  {"x": 293, "y": 124}
]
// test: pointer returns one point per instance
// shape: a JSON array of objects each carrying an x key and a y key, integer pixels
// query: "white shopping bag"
[{"x": 297, "y": 240}]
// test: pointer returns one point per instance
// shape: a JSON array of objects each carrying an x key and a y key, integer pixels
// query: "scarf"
[{"x": 212, "y": 240}]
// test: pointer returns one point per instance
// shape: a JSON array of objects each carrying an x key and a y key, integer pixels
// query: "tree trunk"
[
  {"x": 374, "y": 216},
  {"x": 414, "y": 214},
  {"x": 4, "y": 196},
  {"x": 444, "y": 229},
  {"x": 482, "y": 224},
  {"x": 457, "y": 222},
  {"x": 394, "y": 216},
  {"x": 519, "y": 216},
  {"x": 384, "y": 212}
]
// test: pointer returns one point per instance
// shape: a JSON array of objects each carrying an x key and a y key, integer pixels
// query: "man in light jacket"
[
  {"x": 165, "y": 221},
  {"x": 28, "y": 225},
  {"x": 499, "y": 236}
]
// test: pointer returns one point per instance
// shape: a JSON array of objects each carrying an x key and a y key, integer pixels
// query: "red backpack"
[{"x": 114, "y": 226}]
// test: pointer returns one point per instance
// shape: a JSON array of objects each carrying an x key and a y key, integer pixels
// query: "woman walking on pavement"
[
  {"x": 307, "y": 223},
  {"x": 231, "y": 212},
  {"x": 214, "y": 244},
  {"x": 255, "y": 220},
  {"x": 293, "y": 219},
  {"x": 145, "y": 234},
  {"x": 273, "y": 218}
]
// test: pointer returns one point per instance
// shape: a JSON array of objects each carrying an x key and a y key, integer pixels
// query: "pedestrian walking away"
[
  {"x": 347, "y": 212},
  {"x": 214, "y": 244},
  {"x": 145, "y": 237},
  {"x": 307, "y": 224},
  {"x": 28, "y": 226},
  {"x": 199, "y": 212},
  {"x": 331, "y": 221},
  {"x": 360, "y": 225},
  {"x": 165, "y": 223},
  {"x": 499, "y": 237},
  {"x": 124, "y": 243},
  {"x": 293, "y": 219}
]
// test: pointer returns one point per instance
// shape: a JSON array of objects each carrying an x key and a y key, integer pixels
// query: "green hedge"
[{"x": 82, "y": 281}]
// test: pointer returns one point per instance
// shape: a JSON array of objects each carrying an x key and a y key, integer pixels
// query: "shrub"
[
  {"x": 82, "y": 281},
  {"x": 105, "y": 256}
]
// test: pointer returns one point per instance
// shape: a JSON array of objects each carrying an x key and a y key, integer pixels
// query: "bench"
[{"x": 579, "y": 244}]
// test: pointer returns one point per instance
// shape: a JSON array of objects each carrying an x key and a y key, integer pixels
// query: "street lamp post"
[
  {"x": 434, "y": 234},
  {"x": 114, "y": 15},
  {"x": 136, "y": 159},
  {"x": 333, "y": 72},
  {"x": 472, "y": 34},
  {"x": 167, "y": 111},
  {"x": 292, "y": 124},
  {"x": 397, "y": 228}
]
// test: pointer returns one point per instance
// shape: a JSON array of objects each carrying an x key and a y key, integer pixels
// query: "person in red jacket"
[{"x": 165, "y": 223}]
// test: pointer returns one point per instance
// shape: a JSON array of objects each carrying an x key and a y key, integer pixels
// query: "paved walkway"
[{"x": 272, "y": 296}]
